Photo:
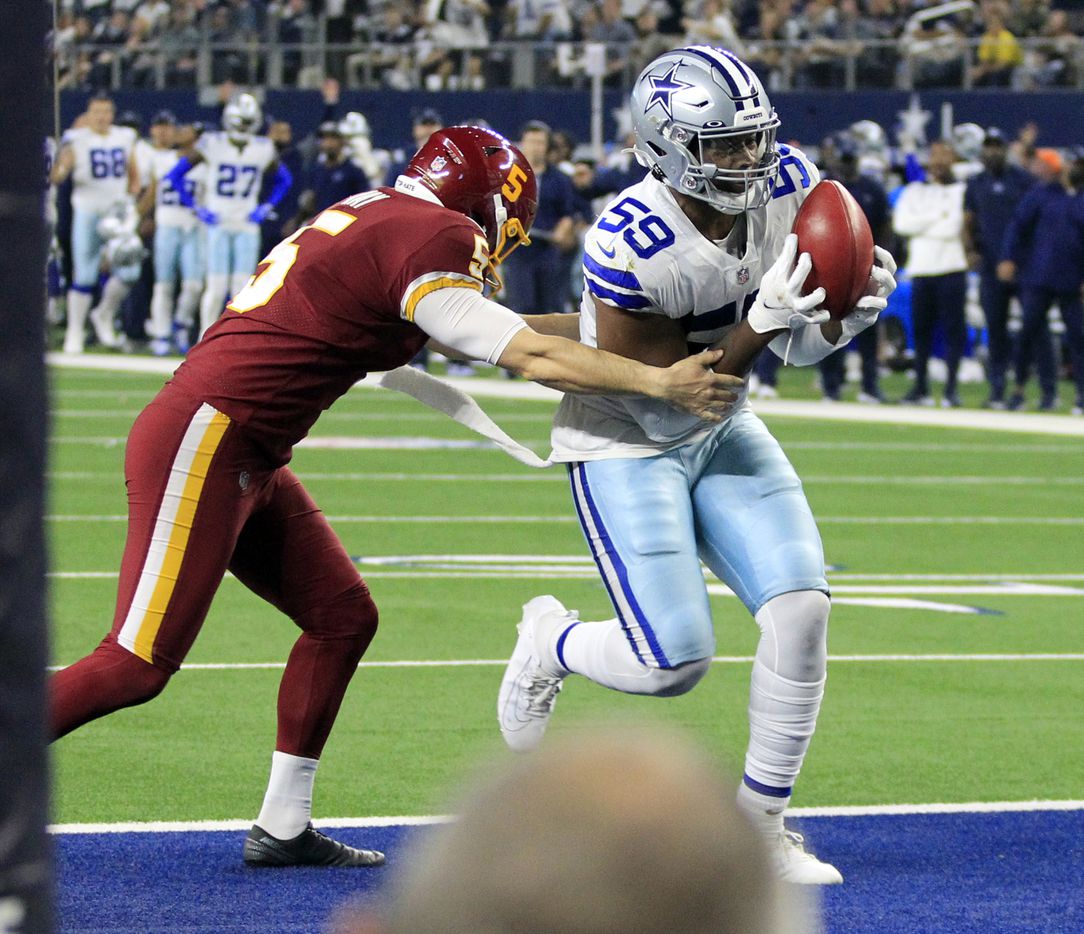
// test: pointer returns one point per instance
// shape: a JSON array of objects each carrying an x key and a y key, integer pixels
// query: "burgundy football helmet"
[{"x": 479, "y": 173}]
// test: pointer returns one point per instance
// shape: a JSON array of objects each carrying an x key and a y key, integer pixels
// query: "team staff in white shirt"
[
  {"x": 99, "y": 157},
  {"x": 930, "y": 215}
]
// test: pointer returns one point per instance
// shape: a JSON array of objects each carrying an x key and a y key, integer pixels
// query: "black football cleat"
[{"x": 308, "y": 848}]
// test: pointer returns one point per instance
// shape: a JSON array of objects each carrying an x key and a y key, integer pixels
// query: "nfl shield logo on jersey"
[{"x": 743, "y": 275}]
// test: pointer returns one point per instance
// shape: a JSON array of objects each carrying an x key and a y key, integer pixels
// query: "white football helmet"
[
  {"x": 967, "y": 140},
  {"x": 694, "y": 102},
  {"x": 242, "y": 116},
  {"x": 354, "y": 124},
  {"x": 869, "y": 138},
  {"x": 118, "y": 221},
  {"x": 125, "y": 250}
]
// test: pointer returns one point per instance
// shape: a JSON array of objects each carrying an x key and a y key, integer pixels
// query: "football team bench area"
[{"x": 944, "y": 780}]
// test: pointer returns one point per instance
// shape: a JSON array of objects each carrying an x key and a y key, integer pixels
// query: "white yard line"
[
  {"x": 112, "y": 476},
  {"x": 864, "y": 810},
  {"x": 565, "y": 519},
  {"x": 718, "y": 660},
  {"x": 518, "y": 389}
]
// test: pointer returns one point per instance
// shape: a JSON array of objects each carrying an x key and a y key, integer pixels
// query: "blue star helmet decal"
[{"x": 663, "y": 88}]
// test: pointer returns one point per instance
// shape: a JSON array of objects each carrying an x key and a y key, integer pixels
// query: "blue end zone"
[{"x": 1018, "y": 872}]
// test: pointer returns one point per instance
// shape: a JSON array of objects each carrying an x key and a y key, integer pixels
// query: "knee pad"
[
  {"x": 795, "y": 634},
  {"x": 672, "y": 682}
]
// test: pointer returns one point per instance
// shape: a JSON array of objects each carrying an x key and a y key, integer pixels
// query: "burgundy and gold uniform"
[
  {"x": 331, "y": 303},
  {"x": 208, "y": 488}
]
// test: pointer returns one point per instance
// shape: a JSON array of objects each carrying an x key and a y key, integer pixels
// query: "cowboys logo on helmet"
[
  {"x": 704, "y": 125},
  {"x": 242, "y": 116}
]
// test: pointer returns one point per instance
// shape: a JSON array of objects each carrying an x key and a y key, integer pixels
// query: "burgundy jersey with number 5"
[{"x": 325, "y": 307}]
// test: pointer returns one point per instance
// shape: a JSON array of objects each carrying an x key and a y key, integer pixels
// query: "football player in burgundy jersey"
[{"x": 360, "y": 288}]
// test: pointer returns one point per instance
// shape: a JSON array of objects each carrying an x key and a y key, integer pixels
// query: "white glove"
[
  {"x": 780, "y": 304},
  {"x": 882, "y": 283}
]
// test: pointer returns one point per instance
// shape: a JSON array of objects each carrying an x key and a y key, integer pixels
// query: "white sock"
[
  {"x": 213, "y": 301},
  {"x": 764, "y": 811},
  {"x": 160, "y": 325},
  {"x": 188, "y": 302},
  {"x": 78, "y": 309},
  {"x": 601, "y": 652},
  {"x": 287, "y": 806},
  {"x": 785, "y": 692},
  {"x": 113, "y": 295}
]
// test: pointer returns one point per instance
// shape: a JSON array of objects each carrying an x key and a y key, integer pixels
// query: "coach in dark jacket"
[
  {"x": 332, "y": 175},
  {"x": 871, "y": 197},
  {"x": 1043, "y": 253},
  {"x": 989, "y": 202}
]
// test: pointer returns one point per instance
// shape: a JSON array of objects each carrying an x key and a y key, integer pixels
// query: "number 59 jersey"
[
  {"x": 234, "y": 174},
  {"x": 645, "y": 256}
]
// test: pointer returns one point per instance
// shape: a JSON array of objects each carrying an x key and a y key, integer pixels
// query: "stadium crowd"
[
  {"x": 158, "y": 272},
  {"x": 456, "y": 44}
]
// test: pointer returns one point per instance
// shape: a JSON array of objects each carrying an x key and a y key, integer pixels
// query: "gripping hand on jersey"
[
  {"x": 780, "y": 303},
  {"x": 882, "y": 283},
  {"x": 207, "y": 216},
  {"x": 261, "y": 212}
]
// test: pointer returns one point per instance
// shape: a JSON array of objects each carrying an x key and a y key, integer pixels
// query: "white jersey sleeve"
[
  {"x": 234, "y": 176},
  {"x": 100, "y": 175},
  {"x": 644, "y": 255}
]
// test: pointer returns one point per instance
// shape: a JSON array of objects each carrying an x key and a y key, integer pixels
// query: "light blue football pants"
[
  {"x": 178, "y": 252},
  {"x": 731, "y": 499}
]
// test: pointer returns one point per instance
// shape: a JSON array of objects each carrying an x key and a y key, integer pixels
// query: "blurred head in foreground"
[{"x": 609, "y": 831}]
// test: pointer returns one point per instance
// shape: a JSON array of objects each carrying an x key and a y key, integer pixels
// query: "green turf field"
[{"x": 935, "y": 519}]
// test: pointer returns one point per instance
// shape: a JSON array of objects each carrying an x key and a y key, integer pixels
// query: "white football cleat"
[
  {"x": 795, "y": 864},
  {"x": 530, "y": 687}
]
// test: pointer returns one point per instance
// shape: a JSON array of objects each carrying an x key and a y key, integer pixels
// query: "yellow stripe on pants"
[{"x": 180, "y": 531}]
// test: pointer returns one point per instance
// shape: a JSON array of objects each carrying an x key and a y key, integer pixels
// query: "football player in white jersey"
[
  {"x": 99, "y": 157},
  {"x": 178, "y": 239},
  {"x": 237, "y": 160},
  {"x": 697, "y": 254}
]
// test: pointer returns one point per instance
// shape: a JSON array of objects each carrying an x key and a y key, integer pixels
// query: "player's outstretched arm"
[
  {"x": 690, "y": 384},
  {"x": 556, "y": 324},
  {"x": 460, "y": 318}
]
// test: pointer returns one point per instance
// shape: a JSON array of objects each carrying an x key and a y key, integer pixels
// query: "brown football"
[{"x": 833, "y": 230}]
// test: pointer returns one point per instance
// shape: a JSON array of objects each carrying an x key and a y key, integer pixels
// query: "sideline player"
[
  {"x": 99, "y": 157},
  {"x": 361, "y": 288},
  {"x": 178, "y": 243},
  {"x": 237, "y": 159},
  {"x": 671, "y": 265}
]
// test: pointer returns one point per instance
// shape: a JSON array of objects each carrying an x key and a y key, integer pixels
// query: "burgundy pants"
[{"x": 202, "y": 500}]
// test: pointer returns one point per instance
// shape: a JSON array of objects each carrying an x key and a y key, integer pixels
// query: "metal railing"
[{"x": 903, "y": 64}]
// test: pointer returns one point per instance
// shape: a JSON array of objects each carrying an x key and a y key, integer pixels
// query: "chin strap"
[{"x": 456, "y": 404}]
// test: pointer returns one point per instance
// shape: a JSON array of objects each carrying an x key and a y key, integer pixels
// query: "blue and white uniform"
[
  {"x": 99, "y": 181},
  {"x": 235, "y": 170},
  {"x": 722, "y": 493},
  {"x": 178, "y": 247}
]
